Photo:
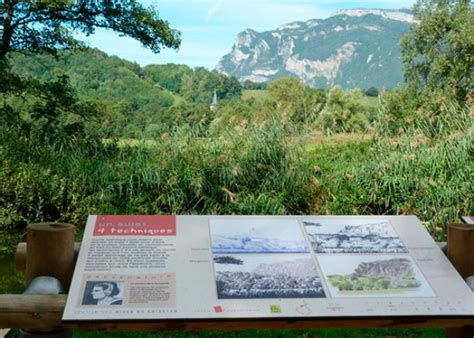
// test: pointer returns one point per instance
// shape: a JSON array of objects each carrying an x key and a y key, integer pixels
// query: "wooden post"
[
  {"x": 461, "y": 255},
  {"x": 22, "y": 248},
  {"x": 20, "y": 257},
  {"x": 50, "y": 252},
  {"x": 461, "y": 248}
]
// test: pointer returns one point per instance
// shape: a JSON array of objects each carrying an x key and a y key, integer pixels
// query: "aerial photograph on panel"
[
  {"x": 267, "y": 276},
  {"x": 371, "y": 276},
  {"x": 257, "y": 236},
  {"x": 353, "y": 236}
]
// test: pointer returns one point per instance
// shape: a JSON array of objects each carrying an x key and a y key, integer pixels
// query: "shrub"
[
  {"x": 345, "y": 112},
  {"x": 432, "y": 114},
  {"x": 372, "y": 91},
  {"x": 294, "y": 101}
]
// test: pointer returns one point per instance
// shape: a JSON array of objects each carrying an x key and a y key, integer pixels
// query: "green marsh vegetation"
[{"x": 350, "y": 284}]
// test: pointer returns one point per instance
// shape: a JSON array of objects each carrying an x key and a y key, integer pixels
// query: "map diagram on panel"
[{"x": 353, "y": 236}]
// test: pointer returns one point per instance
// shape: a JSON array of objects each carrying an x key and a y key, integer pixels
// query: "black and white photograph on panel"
[
  {"x": 257, "y": 236},
  {"x": 374, "y": 276},
  {"x": 266, "y": 276},
  {"x": 353, "y": 236},
  {"x": 103, "y": 293}
]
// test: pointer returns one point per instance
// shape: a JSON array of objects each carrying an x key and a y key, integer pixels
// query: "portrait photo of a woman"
[{"x": 103, "y": 293}]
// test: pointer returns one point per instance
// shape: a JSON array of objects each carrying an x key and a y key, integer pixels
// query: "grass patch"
[
  {"x": 254, "y": 94},
  {"x": 371, "y": 101},
  {"x": 10, "y": 280},
  {"x": 319, "y": 333},
  {"x": 130, "y": 142},
  {"x": 331, "y": 162},
  {"x": 316, "y": 141}
]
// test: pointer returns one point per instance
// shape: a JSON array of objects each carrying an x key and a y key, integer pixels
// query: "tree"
[
  {"x": 48, "y": 25},
  {"x": 200, "y": 84},
  {"x": 169, "y": 76},
  {"x": 299, "y": 102},
  {"x": 372, "y": 92},
  {"x": 228, "y": 260},
  {"x": 345, "y": 112},
  {"x": 249, "y": 85},
  {"x": 46, "y": 113},
  {"x": 438, "y": 52}
]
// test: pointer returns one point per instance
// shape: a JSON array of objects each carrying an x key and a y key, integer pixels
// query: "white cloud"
[{"x": 213, "y": 10}]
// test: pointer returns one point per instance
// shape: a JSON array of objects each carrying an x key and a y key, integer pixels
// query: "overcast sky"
[{"x": 209, "y": 27}]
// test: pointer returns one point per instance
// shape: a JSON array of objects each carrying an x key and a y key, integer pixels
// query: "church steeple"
[{"x": 214, "y": 102}]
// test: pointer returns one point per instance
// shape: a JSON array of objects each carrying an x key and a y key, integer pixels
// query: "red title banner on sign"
[{"x": 125, "y": 225}]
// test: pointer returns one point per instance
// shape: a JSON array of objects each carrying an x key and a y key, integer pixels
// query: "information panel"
[{"x": 172, "y": 267}]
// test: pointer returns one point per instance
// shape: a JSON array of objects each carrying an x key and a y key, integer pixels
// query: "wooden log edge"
[{"x": 45, "y": 311}]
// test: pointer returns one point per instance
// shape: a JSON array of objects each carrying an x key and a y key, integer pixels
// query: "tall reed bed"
[
  {"x": 259, "y": 172},
  {"x": 427, "y": 171}
]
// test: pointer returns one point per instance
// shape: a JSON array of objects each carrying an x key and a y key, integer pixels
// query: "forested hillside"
[
  {"x": 145, "y": 102},
  {"x": 131, "y": 101}
]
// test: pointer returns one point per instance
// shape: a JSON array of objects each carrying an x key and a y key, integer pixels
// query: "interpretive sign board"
[
  {"x": 175, "y": 267},
  {"x": 468, "y": 219}
]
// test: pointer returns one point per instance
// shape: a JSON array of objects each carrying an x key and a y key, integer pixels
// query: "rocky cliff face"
[
  {"x": 376, "y": 237},
  {"x": 396, "y": 267},
  {"x": 352, "y": 48},
  {"x": 291, "y": 279}
]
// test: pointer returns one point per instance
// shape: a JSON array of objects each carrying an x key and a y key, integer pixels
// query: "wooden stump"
[
  {"x": 50, "y": 252},
  {"x": 461, "y": 255},
  {"x": 22, "y": 248},
  {"x": 461, "y": 248}
]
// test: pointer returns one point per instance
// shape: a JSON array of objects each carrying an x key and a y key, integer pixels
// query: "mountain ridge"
[{"x": 351, "y": 48}]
